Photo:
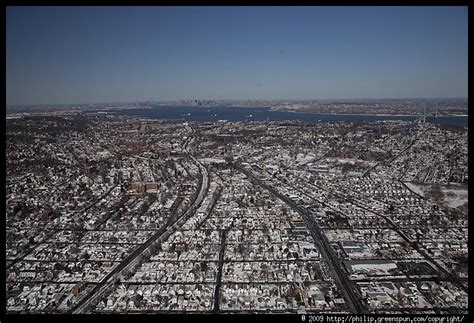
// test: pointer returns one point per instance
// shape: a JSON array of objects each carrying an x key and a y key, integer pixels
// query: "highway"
[
  {"x": 353, "y": 301},
  {"x": 89, "y": 301},
  {"x": 453, "y": 278}
]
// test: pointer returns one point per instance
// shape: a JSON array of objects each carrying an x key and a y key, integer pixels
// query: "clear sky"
[{"x": 60, "y": 55}]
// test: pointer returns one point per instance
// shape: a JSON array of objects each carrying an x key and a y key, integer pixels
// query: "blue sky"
[{"x": 116, "y": 54}]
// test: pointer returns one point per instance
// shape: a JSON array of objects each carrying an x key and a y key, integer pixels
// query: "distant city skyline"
[
  {"x": 87, "y": 55},
  {"x": 276, "y": 100}
]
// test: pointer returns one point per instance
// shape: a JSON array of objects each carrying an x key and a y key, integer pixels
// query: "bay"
[{"x": 213, "y": 114}]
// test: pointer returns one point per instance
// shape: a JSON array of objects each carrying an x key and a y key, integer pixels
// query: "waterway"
[{"x": 213, "y": 114}]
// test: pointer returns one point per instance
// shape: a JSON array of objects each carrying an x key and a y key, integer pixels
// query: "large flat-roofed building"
[
  {"x": 151, "y": 187},
  {"x": 145, "y": 187}
]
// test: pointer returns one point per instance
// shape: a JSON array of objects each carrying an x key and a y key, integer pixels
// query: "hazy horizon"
[{"x": 270, "y": 100}]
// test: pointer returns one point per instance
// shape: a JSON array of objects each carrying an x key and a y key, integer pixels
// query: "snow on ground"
[
  {"x": 303, "y": 159},
  {"x": 453, "y": 197},
  {"x": 273, "y": 167},
  {"x": 211, "y": 160},
  {"x": 459, "y": 198},
  {"x": 378, "y": 269},
  {"x": 351, "y": 161},
  {"x": 358, "y": 234},
  {"x": 415, "y": 188},
  {"x": 353, "y": 173}
]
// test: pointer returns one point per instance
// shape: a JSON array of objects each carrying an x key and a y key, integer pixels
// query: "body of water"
[{"x": 262, "y": 114}]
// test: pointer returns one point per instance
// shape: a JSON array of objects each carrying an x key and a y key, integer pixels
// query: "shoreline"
[
  {"x": 112, "y": 110},
  {"x": 366, "y": 114}
]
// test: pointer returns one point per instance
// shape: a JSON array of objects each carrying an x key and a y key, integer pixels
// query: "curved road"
[{"x": 100, "y": 289}]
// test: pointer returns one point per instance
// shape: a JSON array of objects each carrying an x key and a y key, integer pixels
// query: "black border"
[{"x": 208, "y": 317}]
